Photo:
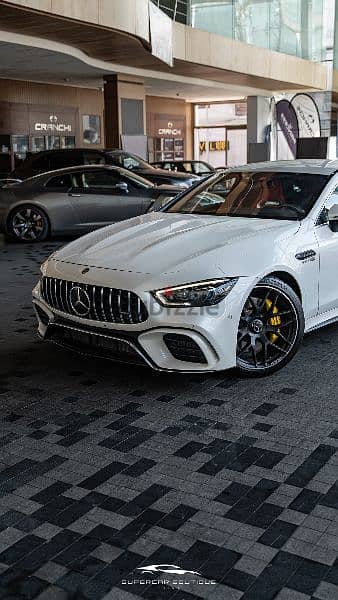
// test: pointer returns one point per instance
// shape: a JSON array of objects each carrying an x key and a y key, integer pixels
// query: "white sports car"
[{"x": 231, "y": 273}]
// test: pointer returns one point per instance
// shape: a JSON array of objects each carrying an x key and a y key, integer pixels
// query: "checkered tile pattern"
[{"x": 105, "y": 469}]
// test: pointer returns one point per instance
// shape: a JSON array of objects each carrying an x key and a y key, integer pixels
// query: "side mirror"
[
  {"x": 123, "y": 187},
  {"x": 333, "y": 218}
]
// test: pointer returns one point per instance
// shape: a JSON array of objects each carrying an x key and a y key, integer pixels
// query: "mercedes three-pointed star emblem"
[{"x": 79, "y": 301}]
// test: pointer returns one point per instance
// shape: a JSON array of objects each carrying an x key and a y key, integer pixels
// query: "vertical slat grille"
[{"x": 105, "y": 304}]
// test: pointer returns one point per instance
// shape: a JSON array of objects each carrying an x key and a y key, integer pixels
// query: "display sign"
[
  {"x": 53, "y": 125},
  {"x": 170, "y": 130},
  {"x": 288, "y": 124},
  {"x": 91, "y": 129},
  {"x": 214, "y": 146},
  {"x": 48, "y": 122},
  {"x": 307, "y": 115}
]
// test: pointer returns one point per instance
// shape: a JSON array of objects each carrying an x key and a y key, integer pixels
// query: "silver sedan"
[{"x": 76, "y": 200}]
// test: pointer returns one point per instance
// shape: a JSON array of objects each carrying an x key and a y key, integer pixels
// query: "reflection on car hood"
[{"x": 161, "y": 243}]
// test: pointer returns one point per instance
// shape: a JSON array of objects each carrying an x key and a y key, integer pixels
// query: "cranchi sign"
[{"x": 53, "y": 126}]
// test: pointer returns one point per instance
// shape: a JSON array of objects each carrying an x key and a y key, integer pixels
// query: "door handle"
[{"x": 74, "y": 195}]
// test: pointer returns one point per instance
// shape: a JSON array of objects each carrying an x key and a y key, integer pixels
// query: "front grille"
[
  {"x": 184, "y": 348},
  {"x": 97, "y": 304}
]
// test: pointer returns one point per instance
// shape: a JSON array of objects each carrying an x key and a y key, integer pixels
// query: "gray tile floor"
[{"x": 106, "y": 469}]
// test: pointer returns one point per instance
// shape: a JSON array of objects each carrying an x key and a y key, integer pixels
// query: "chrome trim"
[
  {"x": 102, "y": 304},
  {"x": 113, "y": 320},
  {"x": 139, "y": 309},
  {"x": 94, "y": 303},
  {"x": 107, "y": 304}
]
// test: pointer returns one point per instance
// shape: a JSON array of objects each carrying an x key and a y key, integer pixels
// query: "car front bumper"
[{"x": 197, "y": 340}]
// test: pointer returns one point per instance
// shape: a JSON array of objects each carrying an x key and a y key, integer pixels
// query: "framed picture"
[{"x": 91, "y": 129}]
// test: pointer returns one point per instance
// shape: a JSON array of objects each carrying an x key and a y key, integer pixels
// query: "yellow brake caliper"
[{"x": 274, "y": 321}]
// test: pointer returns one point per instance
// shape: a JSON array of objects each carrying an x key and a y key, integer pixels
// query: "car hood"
[
  {"x": 167, "y": 174},
  {"x": 161, "y": 244}
]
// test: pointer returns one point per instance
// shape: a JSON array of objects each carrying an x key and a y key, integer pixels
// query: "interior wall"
[{"x": 87, "y": 101}]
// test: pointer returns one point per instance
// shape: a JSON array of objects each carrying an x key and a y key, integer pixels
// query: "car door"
[
  {"x": 100, "y": 197},
  {"x": 328, "y": 253}
]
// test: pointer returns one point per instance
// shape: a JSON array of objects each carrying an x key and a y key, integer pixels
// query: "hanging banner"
[
  {"x": 288, "y": 124},
  {"x": 161, "y": 34},
  {"x": 307, "y": 115}
]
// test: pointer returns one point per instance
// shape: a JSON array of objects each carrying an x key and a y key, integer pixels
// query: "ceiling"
[
  {"x": 22, "y": 60},
  {"x": 119, "y": 51}
]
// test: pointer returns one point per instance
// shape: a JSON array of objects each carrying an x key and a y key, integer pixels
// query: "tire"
[
  {"x": 271, "y": 328},
  {"x": 28, "y": 223}
]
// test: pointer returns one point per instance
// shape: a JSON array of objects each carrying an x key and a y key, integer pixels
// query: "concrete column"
[
  {"x": 124, "y": 109},
  {"x": 111, "y": 112},
  {"x": 258, "y": 128}
]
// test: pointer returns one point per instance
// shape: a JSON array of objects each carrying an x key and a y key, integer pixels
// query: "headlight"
[{"x": 202, "y": 293}]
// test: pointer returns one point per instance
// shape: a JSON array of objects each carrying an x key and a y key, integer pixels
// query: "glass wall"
[{"x": 293, "y": 27}]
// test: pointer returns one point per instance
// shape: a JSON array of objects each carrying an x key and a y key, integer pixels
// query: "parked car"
[
  {"x": 138, "y": 165},
  {"x": 50, "y": 160},
  {"x": 231, "y": 273},
  {"x": 197, "y": 167},
  {"x": 8, "y": 181},
  {"x": 76, "y": 200}
]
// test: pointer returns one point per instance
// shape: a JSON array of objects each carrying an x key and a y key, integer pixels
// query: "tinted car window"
[
  {"x": 41, "y": 163},
  {"x": 94, "y": 158},
  {"x": 95, "y": 179},
  {"x": 61, "y": 160},
  {"x": 200, "y": 168},
  {"x": 61, "y": 181}
]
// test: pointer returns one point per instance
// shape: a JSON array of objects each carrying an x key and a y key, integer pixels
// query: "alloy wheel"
[
  {"x": 268, "y": 328},
  {"x": 28, "y": 224}
]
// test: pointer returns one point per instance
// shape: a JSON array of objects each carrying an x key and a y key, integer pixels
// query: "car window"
[
  {"x": 256, "y": 194},
  {"x": 128, "y": 161},
  {"x": 41, "y": 163},
  {"x": 94, "y": 158},
  {"x": 188, "y": 167},
  {"x": 61, "y": 181},
  {"x": 136, "y": 181},
  {"x": 200, "y": 168},
  {"x": 95, "y": 179},
  {"x": 323, "y": 217},
  {"x": 62, "y": 160}
]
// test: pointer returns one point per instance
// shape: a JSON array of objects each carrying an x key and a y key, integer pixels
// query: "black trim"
[{"x": 305, "y": 255}]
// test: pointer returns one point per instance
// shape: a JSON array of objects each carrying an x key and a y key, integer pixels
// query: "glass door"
[
  {"x": 210, "y": 145},
  {"x": 237, "y": 147},
  {"x": 221, "y": 146}
]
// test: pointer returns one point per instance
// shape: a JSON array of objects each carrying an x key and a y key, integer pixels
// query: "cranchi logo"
[{"x": 166, "y": 569}]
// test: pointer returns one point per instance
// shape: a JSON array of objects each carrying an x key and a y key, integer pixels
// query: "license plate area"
[{"x": 93, "y": 344}]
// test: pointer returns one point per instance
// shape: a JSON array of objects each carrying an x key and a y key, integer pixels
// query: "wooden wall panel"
[{"x": 86, "y": 101}]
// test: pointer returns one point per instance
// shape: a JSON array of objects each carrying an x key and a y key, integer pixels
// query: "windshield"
[
  {"x": 136, "y": 179},
  {"x": 264, "y": 195},
  {"x": 129, "y": 161}
]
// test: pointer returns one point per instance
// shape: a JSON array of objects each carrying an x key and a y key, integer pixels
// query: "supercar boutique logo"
[
  {"x": 173, "y": 569},
  {"x": 171, "y": 575}
]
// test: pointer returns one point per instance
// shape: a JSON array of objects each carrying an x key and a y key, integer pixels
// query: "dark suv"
[{"x": 50, "y": 160}]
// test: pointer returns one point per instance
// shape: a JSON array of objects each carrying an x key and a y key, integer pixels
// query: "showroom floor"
[{"x": 104, "y": 469}]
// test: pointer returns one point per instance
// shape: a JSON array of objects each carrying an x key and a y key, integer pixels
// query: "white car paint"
[{"x": 161, "y": 250}]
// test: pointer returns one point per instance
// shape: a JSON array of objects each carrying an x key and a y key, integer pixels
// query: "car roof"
[
  {"x": 301, "y": 165},
  {"x": 65, "y": 170},
  {"x": 58, "y": 150}
]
